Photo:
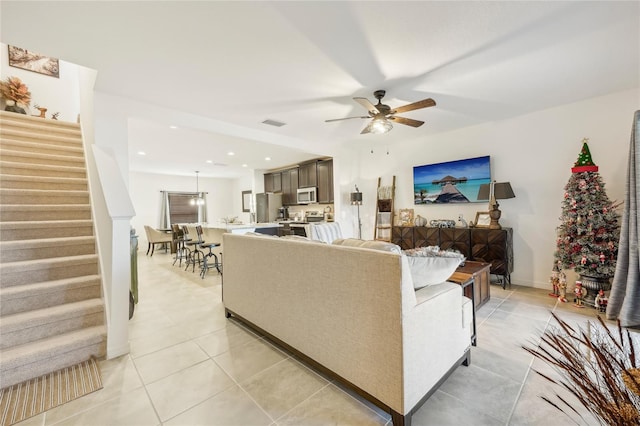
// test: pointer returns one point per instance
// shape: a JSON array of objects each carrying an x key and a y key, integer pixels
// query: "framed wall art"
[
  {"x": 246, "y": 201},
  {"x": 451, "y": 182},
  {"x": 405, "y": 217},
  {"x": 31, "y": 61}
]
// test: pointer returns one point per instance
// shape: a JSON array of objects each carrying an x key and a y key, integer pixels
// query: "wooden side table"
[{"x": 473, "y": 277}]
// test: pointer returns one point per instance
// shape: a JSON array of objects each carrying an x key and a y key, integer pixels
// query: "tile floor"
[{"x": 189, "y": 365}]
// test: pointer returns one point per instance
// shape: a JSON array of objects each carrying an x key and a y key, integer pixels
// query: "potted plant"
[{"x": 16, "y": 94}]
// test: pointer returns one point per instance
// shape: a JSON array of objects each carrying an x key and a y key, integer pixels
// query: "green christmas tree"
[{"x": 589, "y": 230}]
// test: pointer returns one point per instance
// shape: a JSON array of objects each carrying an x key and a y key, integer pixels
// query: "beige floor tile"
[
  {"x": 187, "y": 388},
  {"x": 220, "y": 341},
  {"x": 167, "y": 361},
  {"x": 281, "y": 387},
  {"x": 244, "y": 361},
  {"x": 443, "y": 409},
  {"x": 331, "y": 406},
  {"x": 232, "y": 407},
  {"x": 159, "y": 339},
  {"x": 132, "y": 408},
  {"x": 498, "y": 393}
]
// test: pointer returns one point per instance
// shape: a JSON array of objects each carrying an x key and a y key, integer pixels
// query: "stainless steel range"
[{"x": 314, "y": 216}]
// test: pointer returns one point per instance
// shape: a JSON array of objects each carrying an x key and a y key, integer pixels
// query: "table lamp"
[
  {"x": 356, "y": 200},
  {"x": 495, "y": 191}
]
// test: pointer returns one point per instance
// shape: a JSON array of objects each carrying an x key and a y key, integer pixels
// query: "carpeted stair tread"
[
  {"x": 52, "y": 314},
  {"x": 28, "y": 169},
  {"x": 10, "y": 181},
  {"x": 22, "y": 250},
  {"x": 36, "y": 358},
  {"x": 40, "y": 295},
  {"x": 55, "y": 262},
  {"x": 44, "y": 212},
  {"x": 41, "y": 137},
  {"x": 40, "y": 270},
  {"x": 39, "y": 158},
  {"x": 45, "y": 144},
  {"x": 29, "y": 230},
  {"x": 10, "y": 357},
  {"x": 43, "y": 196},
  {"x": 10, "y": 119}
]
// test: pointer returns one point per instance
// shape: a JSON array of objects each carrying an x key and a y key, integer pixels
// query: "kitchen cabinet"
[
  {"x": 494, "y": 246},
  {"x": 289, "y": 186},
  {"x": 308, "y": 175},
  {"x": 325, "y": 181},
  {"x": 273, "y": 182}
]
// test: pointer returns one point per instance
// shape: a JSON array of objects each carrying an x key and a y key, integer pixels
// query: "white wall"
[
  {"x": 56, "y": 94},
  {"x": 534, "y": 152}
]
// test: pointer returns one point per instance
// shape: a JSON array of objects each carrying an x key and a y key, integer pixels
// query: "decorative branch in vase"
[{"x": 16, "y": 93}]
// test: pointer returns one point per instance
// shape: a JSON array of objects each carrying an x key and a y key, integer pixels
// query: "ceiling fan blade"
[
  {"x": 368, "y": 105},
  {"x": 408, "y": 121},
  {"x": 416, "y": 105},
  {"x": 346, "y": 118}
]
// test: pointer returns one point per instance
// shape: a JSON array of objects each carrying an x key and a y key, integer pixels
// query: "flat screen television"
[{"x": 451, "y": 182}]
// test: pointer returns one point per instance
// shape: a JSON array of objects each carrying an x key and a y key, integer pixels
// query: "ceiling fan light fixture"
[{"x": 380, "y": 126}]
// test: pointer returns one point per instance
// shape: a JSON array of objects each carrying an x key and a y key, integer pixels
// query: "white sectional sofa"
[{"x": 351, "y": 312}]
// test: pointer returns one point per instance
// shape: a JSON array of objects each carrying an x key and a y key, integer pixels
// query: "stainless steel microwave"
[{"x": 307, "y": 195}]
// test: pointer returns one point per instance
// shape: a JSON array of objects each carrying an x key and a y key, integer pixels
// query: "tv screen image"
[{"x": 451, "y": 182}]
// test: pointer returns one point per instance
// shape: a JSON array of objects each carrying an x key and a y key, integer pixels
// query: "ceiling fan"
[{"x": 383, "y": 115}]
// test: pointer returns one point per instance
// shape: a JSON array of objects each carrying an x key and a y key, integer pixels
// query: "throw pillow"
[
  {"x": 430, "y": 265},
  {"x": 374, "y": 245}
]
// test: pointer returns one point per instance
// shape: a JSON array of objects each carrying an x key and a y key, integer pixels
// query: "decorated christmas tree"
[{"x": 589, "y": 230}]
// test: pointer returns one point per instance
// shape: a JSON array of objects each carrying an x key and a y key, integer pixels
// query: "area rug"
[{"x": 35, "y": 396}]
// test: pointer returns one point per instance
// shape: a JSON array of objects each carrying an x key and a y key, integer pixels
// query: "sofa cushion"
[
  {"x": 430, "y": 265},
  {"x": 374, "y": 245}
]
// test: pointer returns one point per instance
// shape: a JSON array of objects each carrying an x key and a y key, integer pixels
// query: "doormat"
[{"x": 35, "y": 396}]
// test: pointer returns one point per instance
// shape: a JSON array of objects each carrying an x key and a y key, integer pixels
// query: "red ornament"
[{"x": 583, "y": 261}]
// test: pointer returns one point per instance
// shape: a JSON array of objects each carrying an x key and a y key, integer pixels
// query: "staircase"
[{"x": 51, "y": 307}]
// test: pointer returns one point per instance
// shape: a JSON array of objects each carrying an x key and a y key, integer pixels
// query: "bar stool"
[
  {"x": 207, "y": 264},
  {"x": 195, "y": 255},
  {"x": 182, "y": 252}
]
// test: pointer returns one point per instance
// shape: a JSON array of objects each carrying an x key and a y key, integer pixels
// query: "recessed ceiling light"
[
  {"x": 173, "y": 127},
  {"x": 209, "y": 161},
  {"x": 142, "y": 153},
  {"x": 244, "y": 165},
  {"x": 267, "y": 158},
  {"x": 275, "y": 123},
  {"x": 231, "y": 153}
]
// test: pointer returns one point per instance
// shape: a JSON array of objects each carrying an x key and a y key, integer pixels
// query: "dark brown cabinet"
[
  {"x": 273, "y": 182},
  {"x": 289, "y": 186},
  {"x": 494, "y": 246},
  {"x": 308, "y": 175},
  {"x": 325, "y": 181}
]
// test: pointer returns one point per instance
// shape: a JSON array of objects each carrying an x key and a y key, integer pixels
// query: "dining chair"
[{"x": 155, "y": 237}]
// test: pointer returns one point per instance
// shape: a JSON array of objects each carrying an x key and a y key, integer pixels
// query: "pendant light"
[{"x": 197, "y": 200}]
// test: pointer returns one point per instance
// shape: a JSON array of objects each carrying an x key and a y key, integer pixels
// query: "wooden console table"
[
  {"x": 494, "y": 246},
  {"x": 474, "y": 279}
]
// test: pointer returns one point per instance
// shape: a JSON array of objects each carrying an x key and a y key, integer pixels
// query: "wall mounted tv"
[{"x": 451, "y": 182}]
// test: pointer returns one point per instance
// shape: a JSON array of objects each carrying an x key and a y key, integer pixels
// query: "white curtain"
[{"x": 624, "y": 300}]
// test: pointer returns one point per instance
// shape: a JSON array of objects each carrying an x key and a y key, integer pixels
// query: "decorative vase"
[
  {"x": 593, "y": 284},
  {"x": 420, "y": 221},
  {"x": 13, "y": 107}
]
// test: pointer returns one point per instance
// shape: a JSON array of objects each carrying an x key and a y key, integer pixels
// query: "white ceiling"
[{"x": 239, "y": 63}]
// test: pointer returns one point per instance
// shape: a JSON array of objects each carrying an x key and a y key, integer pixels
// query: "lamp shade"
[
  {"x": 356, "y": 198},
  {"x": 501, "y": 191}
]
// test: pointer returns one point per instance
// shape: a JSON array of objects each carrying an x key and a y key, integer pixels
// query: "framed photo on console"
[{"x": 483, "y": 220}]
